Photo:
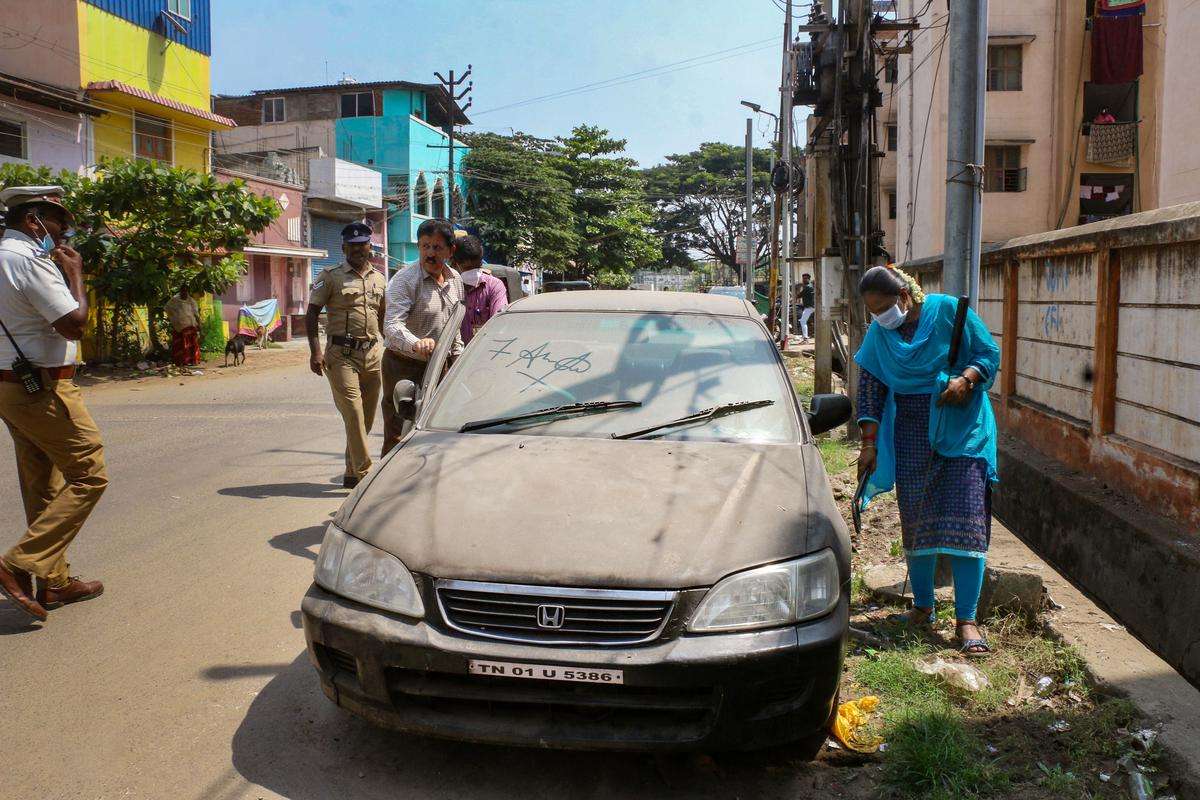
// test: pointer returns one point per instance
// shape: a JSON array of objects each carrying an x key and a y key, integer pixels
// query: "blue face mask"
[{"x": 47, "y": 242}]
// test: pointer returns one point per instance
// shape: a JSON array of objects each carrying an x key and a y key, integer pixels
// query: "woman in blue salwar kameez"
[{"x": 928, "y": 430}]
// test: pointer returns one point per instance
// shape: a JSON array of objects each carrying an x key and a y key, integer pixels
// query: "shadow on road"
[
  {"x": 264, "y": 490},
  {"x": 294, "y": 742},
  {"x": 297, "y": 542},
  {"x": 14, "y": 621}
]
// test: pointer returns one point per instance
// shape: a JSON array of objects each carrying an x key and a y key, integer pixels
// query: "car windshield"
[{"x": 675, "y": 365}]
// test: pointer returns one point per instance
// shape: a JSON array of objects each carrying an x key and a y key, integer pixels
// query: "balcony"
[{"x": 343, "y": 185}]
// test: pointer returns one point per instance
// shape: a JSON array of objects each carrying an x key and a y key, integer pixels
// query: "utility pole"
[
  {"x": 964, "y": 149},
  {"x": 451, "y": 87},
  {"x": 786, "y": 90},
  {"x": 750, "y": 209}
]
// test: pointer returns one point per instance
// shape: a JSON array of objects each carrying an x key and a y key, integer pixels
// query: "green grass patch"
[
  {"x": 805, "y": 386},
  {"x": 837, "y": 453},
  {"x": 932, "y": 755}
]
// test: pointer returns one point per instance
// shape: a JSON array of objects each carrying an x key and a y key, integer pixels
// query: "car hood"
[{"x": 595, "y": 512}]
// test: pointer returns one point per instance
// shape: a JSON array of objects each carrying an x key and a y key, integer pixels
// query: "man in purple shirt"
[{"x": 486, "y": 295}]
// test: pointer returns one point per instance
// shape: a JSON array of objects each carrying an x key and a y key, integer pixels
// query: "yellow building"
[{"x": 146, "y": 62}]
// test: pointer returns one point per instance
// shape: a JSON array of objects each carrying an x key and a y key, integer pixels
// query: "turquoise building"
[{"x": 396, "y": 128}]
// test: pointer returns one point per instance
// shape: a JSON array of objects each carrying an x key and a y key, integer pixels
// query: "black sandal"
[{"x": 972, "y": 648}]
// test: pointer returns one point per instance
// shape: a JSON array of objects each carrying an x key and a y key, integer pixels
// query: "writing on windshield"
[{"x": 538, "y": 363}]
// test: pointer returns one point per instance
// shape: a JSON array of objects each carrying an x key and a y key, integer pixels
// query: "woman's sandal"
[{"x": 972, "y": 648}]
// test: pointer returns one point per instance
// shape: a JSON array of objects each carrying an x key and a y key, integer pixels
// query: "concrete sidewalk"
[{"x": 1118, "y": 661}]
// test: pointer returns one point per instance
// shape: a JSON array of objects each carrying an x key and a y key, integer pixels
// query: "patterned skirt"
[{"x": 945, "y": 503}]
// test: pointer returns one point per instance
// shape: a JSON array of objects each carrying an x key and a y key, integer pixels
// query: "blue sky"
[{"x": 523, "y": 49}]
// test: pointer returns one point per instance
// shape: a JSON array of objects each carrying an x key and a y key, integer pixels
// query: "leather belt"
[
  {"x": 354, "y": 343},
  {"x": 53, "y": 373}
]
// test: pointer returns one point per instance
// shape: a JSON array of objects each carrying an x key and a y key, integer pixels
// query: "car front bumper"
[{"x": 710, "y": 692}]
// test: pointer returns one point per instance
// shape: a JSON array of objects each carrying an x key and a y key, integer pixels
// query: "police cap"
[{"x": 356, "y": 233}]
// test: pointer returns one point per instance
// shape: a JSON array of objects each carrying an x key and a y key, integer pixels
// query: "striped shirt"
[{"x": 418, "y": 308}]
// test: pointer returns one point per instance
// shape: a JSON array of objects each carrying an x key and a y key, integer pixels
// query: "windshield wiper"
[
  {"x": 706, "y": 415},
  {"x": 573, "y": 408}
]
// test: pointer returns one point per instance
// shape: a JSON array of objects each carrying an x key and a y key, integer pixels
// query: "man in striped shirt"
[{"x": 421, "y": 298}]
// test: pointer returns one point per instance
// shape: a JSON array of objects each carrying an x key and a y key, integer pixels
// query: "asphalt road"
[{"x": 188, "y": 678}]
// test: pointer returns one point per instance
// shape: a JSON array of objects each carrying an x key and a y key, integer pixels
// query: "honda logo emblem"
[{"x": 551, "y": 616}]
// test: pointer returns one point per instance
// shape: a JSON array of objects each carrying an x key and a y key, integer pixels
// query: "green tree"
[
  {"x": 612, "y": 217},
  {"x": 521, "y": 199},
  {"x": 146, "y": 231},
  {"x": 700, "y": 202}
]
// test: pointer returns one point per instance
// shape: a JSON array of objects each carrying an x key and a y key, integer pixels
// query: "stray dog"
[{"x": 237, "y": 346}]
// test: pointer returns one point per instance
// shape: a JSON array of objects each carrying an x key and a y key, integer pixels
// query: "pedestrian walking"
[
  {"x": 807, "y": 303},
  {"x": 928, "y": 429},
  {"x": 421, "y": 298},
  {"x": 485, "y": 295},
  {"x": 352, "y": 295},
  {"x": 60, "y": 457},
  {"x": 183, "y": 314}
]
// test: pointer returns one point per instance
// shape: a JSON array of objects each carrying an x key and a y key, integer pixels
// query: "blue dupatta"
[{"x": 919, "y": 367}]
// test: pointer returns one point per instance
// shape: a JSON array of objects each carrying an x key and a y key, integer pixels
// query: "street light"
[{"x": 757, "y": 109}]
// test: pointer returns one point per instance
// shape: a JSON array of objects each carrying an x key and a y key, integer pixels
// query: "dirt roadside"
[{"x": 212, "y": 368}]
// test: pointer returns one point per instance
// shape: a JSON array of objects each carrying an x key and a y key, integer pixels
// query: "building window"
[
  {"x": 358, "y": 104},
  {"x": 273, "y": 109},
  {"x": 1002, "y": 170},
  {"x": 421, "y": 196},
  {"x": 891, "y": 70},
  {"x": 1004, "y": 68},
  {"x": 439, "y": 200},
  {"x": 152, "y": 139},
  {"x": 180, "y": 8},
  {"x": 12, "y": 139},
  {"x": 893, "y": 135},
  {"x": 891, "y": 203}
]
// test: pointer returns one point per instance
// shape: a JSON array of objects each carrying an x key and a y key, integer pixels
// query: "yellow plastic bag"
[{"x": 852, "y": 724}]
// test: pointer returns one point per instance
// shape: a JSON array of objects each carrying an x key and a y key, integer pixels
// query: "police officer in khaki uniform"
[
  {"x": 352, "y": 294},
  {"x": 60, "y": 458}
]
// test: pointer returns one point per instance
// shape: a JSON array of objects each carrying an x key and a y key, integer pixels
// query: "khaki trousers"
[
  {"x": 395, "y": 369},
  {"x": 355, "y": 381},
  {"x": 60, "y": 463}
]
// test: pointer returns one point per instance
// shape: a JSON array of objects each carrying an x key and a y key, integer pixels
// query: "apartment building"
[{"x": 1083, "y": 122}]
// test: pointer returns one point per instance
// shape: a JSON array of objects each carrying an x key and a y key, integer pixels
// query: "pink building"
[{"x": 279, "y": 263}]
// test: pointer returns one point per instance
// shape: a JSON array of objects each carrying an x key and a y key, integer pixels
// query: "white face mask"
[
  {"x": 892, "y": 318},
  {"x": 471, "y": 277}
]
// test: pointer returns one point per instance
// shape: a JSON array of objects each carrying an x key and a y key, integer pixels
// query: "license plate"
[{"x": 546, "y": 672}]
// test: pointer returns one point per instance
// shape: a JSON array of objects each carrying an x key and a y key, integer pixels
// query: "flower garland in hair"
[{"x": 914, "y": 288}]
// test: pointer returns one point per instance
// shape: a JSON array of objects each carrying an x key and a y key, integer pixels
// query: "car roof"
[{"x": 625, "y": 300}]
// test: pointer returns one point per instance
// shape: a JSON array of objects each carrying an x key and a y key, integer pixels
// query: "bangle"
[
  {"x": 867, "y": 446},
  {"x": 970, "y": 383}
]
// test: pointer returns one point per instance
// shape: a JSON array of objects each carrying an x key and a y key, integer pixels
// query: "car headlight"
[
  {"x": 357, "y": 571},
  {"x": 764, "y": 597}
]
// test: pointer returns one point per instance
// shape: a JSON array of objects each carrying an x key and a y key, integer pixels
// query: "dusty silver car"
[{"x": 609, "y": 528}]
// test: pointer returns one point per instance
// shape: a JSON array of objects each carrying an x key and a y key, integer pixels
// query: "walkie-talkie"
[{"x": 31, "y": 377}]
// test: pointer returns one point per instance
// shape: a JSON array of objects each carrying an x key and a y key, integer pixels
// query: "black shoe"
[{"x": 349, "y": 482}]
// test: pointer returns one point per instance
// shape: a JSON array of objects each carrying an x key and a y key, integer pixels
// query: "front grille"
[{"x": 587, "y": 616}]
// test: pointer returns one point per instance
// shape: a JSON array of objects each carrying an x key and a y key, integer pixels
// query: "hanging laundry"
[
  {"x": 1112, "y": 143},
  {"x": 1120, "y": 8},
  {"x": 1116, "y": 49}
]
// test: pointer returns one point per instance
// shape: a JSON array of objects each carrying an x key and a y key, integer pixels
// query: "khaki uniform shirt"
[
  {"x": 351, "y": 301},
  {"x": 183, "y": 313}
]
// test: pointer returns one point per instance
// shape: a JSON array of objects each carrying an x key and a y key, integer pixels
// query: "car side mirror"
[
  {"x": 404, "y": 394},
  {"x": 827, "y": 411}
]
